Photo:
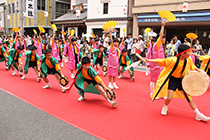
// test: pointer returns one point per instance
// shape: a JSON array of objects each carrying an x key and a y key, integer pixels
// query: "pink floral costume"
[
  {"x": 113, "y": 62},
  {"x": 153, "y": 52},
  {"x": 73, "y": 54}
]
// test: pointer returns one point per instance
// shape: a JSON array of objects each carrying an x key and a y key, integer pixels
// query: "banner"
[{"x": 30, "y": 8}]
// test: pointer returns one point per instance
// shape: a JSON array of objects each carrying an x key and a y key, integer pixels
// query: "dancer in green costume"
[{"x": 87, "y": 80}]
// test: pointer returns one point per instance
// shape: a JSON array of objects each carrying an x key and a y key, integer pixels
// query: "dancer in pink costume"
[
  {"x": 72, "y": 51},
  {"x": 66, "y": 43},
  {"x": 56, "y": 49},
  {"x": 113, "y": 62},
  {"x": 155, "y": 51},
  {"x": 38, "y": 44}
]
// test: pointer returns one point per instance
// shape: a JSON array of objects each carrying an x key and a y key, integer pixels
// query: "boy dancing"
[
  {"x": 98, "y": 58},
  {"x": 3, "y": 55},
  {"x": 170, "y": 79},
  {"x": 32, "y": 60},
  {"x": 125, "y": 61},
  {"x": 87, "y": 80},
  {"x": 51, "y": 66},
  {"x": 14, "y": 60}
]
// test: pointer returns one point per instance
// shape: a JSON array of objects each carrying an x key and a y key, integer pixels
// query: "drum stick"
[{"x": 139, "y": 56}]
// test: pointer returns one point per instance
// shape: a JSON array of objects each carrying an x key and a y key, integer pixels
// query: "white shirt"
[
  {"x": 141, "y": 45},
  {"x": 28, "y": 40},
  {"x": 105, "y": 43},
  {"x": 130, "y": 43}
]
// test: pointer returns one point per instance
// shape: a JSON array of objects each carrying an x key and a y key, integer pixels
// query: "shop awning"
[{"x": 181, "y": 17}]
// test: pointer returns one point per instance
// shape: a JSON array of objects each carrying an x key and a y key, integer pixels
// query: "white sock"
[
  {"x": 48, "y": 83},
  {"x": 166, "y": 106},
  {"x": 62, "y": 86},
  {"x": 110, "y": 101},
  {"x": 197, "y": 112},
  {"x": 147, "y": 70},
  {"x": 114, "y": 83},
  {"x": 152, "y": 87},
  {"x": 110, "y": 83}
]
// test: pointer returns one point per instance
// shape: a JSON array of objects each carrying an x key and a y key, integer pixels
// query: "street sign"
[
  {"x": 1, "y": 28},
  {"x": 45, "y": 14},
  {"x": 30, "y": 8}
]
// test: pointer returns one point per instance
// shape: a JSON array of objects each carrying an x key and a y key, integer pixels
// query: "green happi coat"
[
  {"x": 11, "y": 57},
  {"x": 126, "y": 59},
  {"x": 79, "y": 83},
  {"x": 28, "y": 55},
  {"x": 44, "y": 67},
  {"x": 2, "y": 58},
  {"x": 96, "y": 53}
]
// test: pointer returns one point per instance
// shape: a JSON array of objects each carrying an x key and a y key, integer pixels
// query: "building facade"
[
  {"x": 101, "y": 11},
  {"x": 3, "y": 25},
  {"x": 94, "y": 14},
  {"x": 196, "y": 19},
  {"x": 14, "y": 15},
  {"x": 71, "y": 20}
]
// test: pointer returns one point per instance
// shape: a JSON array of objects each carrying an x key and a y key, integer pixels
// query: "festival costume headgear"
[
  {"x": 73, "y": 39},
  {"x": 47, "y": 51},
  {"x": 33, "y": 48},
  {"x": 85, "y": 61},
  {"x": 20, "y": 48},
  {"x": 183, "y": 49}
]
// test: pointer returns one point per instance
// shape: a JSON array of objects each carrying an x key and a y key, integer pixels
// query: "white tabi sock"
[
  {"x": 197, "y": 112},
  {"x": 109, "y": 100}
]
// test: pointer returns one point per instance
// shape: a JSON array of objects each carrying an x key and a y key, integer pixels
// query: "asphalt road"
[{"x": 22, "y": 121}]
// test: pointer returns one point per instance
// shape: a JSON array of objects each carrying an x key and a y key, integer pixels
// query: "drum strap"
[
  {"x": 207, "y": 65},
  {"x": 174, "y": 68}
]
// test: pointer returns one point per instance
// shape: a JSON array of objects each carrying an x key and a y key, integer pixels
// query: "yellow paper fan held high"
[
  {"x": 191, "y": 35},
  {"x": 109, "y": 24},
  {"x": 167, "y": 14},
  {"x": 94, "y": 36},
  {"x": 147, "y": 30},
  {"x": 124, "y": 30},
  {"x": 72, "y": 32},
  {"x": 54, "y": 27},
  {"x": 16, "y": 29},
  {"x": 41, "y": 29},
  {"x": 63, "y": 32},
  {"x": 35, "y": 32}
]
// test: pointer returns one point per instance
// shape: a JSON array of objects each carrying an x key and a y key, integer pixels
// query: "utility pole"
[
  {"x": 21, "y": 16},
  {"x": 5, "y": 23}
]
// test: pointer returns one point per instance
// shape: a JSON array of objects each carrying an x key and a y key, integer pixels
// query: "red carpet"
[{"x": 136, "y": 117}]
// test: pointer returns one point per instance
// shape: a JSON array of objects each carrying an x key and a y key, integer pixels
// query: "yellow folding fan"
[
  {"x": 124, "y": 30},
  {"x": 63, "y": 32},
  {"x": 35, "y": 32},
  {"x": 191, "y": 35},
  {"x": 16, "y": 29},
  {"x": 167, "y": 14},
  {"x": 72, "y": 32},
  {"x": 109, "y": 24},
  {"x": 147, "y": 30},
  {"x": 54, "y": 27},
  {"x": 41, "y": 29},
  {"x": 93, "y": 35}
]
